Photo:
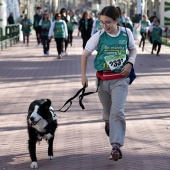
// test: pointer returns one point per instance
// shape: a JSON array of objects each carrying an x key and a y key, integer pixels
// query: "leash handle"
[
  {"x": 69, "y": 101},
  {"x": 81, "y": 96},
  {"x": 85, "y": 94}
]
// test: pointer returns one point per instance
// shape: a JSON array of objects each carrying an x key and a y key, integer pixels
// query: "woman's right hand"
[{"x": 84, "y": 81}]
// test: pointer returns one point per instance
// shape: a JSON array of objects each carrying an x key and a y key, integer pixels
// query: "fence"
[{"x": 11, "y": 37}]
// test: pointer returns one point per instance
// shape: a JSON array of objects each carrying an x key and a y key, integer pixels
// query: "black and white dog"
[{"x": 42, "y": 123}]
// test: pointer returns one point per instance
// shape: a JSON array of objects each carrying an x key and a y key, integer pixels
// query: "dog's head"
[{"x": 39, "y": 113}]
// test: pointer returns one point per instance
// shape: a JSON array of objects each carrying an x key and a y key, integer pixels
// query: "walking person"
[
  {"x": 59, "y": 29},
  {"x": 121, "y": 17},
  {"x": 150, "y": 28},
  {"x": 111, "y": 44},
  {"x": 96, "y": 24},
  {"x": 156, "y": 36},
  {"x": 128, "y": 24},
  {"x": 144, "y": 25},
  {"x": 10, "y": 19},
  {"x": 37, "y": 18},
  {"x": 45, "y": 25},
  {"x": 66, "y": 18},
  {"x": 26, "y": 29},
  {"x": 85, "y": 27},
  {"x": 71, "y": 26}
]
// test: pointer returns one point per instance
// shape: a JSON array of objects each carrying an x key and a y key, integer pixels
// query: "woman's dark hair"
[
  {"x": 86, "y": 12},
  {"x": 57, "y": 15},
  {"x": 63, "y": 10},
  {"x": 120, "y": 12},
  {"x": 110, "y": 11},
  {"x": 38, "y": 7}
]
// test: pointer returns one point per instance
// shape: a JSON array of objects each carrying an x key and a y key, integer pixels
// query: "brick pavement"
[{"x": 80, "y": 141}]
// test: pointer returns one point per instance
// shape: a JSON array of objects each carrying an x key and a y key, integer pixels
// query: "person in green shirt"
[
  {"x": 59, "y": 30},
  {"x": 26, "y": 29},
  {"x": 144, "y": 27},
  {"x": 71, "y": 26},
  {"x": 45, "y": 25},
  {"x": 156, "y": 36},
  {"x": 113, "y": 69},
  {"x": 37, "y": 18},
  {"x": 96, "y": 24}
]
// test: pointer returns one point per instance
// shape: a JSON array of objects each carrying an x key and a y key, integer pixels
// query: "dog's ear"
[{"x": 47, "y": 103}]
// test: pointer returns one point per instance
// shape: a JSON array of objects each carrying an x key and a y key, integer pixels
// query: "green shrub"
[{"x": 165, "y": 41}]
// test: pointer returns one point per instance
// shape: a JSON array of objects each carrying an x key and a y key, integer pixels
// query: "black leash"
[{"x": 81, "y": 96}]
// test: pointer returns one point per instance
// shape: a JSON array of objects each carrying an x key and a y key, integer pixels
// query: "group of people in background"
[
  {"x": 153, "y": 31},
  {"x": 62, "y": 25}
]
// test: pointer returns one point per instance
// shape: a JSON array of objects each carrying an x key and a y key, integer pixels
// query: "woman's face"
[
  {"x": 156, "y": 23},
  {"x": 144, "y": 18},
  {"x": 58, "y": 17},
  {"x": 154, "y": 19},
  {"x": 87, "y": 15},
  {"x": 108, "y": 24},
  {"x": 46, "y": 16},
  {"x": 64, "y": 13}
]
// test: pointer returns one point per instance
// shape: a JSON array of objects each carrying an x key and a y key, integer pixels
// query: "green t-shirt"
[
  {"x": 71, "y": 24},
  {"x": 45, "y": 27},
  {"x": 98, "y": 27},
  {"x": 59, "y": 30},
  {"x": 144, "y": 25},
  {"x": 156, "y": 34},
  {"x": 26, "y": 25},
  {"x": 111, "y": 52}
]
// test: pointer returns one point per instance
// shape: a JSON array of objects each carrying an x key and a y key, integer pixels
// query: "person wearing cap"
[
  {"x": 37, "y": 18},
  {"x": 45, "y": 24},
  {"x": 26, "y": 28},
  {"x": 96, "y": 24},
  {"x": 156, "y": 36}
]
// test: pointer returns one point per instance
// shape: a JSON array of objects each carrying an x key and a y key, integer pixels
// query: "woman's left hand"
[{"x": 126, "y": 70}]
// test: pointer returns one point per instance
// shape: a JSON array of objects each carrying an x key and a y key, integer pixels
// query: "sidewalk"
[{"x": 80, "y": 142}]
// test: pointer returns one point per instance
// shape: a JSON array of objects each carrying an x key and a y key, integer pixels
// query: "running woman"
[
  {"x": 111, "y": 44},
  {"x": 144, "y": 23}
]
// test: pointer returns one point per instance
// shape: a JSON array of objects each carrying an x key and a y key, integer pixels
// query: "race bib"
[{"x": 115, "y": 61}]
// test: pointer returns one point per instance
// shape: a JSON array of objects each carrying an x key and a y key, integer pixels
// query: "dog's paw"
[
  {"x": 34, "y": 165},
  {"x": 48, "y": 136},
  {"x": 50, "y": 157}
]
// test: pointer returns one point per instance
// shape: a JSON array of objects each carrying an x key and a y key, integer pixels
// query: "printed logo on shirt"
[{"x": 122, "y": 42}]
